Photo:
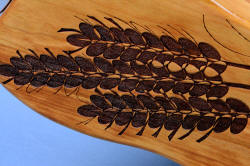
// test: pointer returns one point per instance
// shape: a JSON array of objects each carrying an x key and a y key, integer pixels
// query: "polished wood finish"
[{"x": 34, "y": 24}]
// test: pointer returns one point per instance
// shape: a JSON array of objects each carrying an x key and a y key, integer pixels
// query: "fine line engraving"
[{"x": 140, "y": 79}]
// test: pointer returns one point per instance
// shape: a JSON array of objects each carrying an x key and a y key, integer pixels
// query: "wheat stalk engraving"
[{"x": 164, "y": 82}]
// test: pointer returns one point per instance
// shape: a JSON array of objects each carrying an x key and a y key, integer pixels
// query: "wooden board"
[{"x": 34, "y": 25}]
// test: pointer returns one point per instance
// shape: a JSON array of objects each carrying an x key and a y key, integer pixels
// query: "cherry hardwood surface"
[{"x": 29, "y": 24}]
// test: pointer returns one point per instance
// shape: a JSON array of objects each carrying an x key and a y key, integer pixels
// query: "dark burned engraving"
[
  {"x": 23, "y": 78},
  {"x": 122, "y": 67},
  {"x": 109, "y": 83},
  {"x": 8, "y": 70},
  {"x": 56, "y": 80},
  {"x": 163, "y": 83},
  {"x": 39, "y": 79},
  {"x": 96, "y": 49},
  {"x": 104, "y": 65},
  {"x": 91, "y": 82},
  {"x": 129, "y": 54},
  {"x": 238, "y": 125},
  {"x": 85, "y": 64},
  {"x": 89, "y": 111},
  {"x": 157, "y": 112}
]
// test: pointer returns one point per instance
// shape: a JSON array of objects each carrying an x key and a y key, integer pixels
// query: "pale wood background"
[{"x": 34, "y": 24}]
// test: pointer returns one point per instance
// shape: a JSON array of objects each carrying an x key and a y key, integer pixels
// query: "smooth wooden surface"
[{"x": 34, "y": 24}]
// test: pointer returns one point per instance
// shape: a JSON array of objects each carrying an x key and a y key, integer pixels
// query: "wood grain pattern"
[{"x": 22, "y": 30}]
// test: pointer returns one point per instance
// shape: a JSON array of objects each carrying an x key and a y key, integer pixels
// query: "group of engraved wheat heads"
[{"x": 139, "y": 79}]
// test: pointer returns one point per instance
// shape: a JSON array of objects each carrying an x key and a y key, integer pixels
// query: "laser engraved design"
[{"x": 140, "y": 79}]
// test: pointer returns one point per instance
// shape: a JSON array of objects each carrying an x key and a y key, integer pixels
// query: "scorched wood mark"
[
  {"x": 125, "y": 47},
  {"x": 170, "y": 113},
  {"x": 140, "y": 79}
]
